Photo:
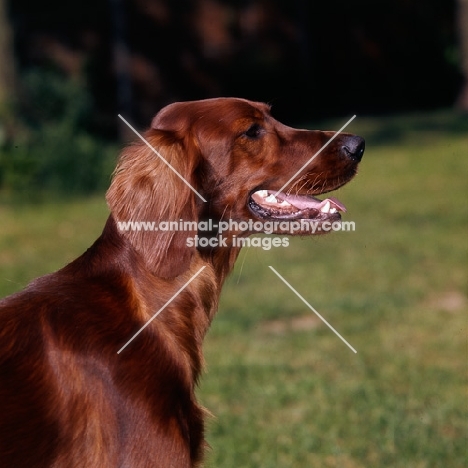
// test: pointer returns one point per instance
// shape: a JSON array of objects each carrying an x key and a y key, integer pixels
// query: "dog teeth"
[
  {"x": 271, "y": 199},
  {"x": 325, "y": 208},
  {"x": 332, "y": 210}
]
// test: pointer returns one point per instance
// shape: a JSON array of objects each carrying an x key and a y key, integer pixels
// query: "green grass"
[
  {"x": 38, "y": 239},
  {"x": 284, "y": 389}
]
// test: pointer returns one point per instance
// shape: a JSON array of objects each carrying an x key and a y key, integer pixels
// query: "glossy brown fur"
[{"x": 67, "y": 399}]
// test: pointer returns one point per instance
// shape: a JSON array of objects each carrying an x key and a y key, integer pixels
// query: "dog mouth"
[{"x": 269, "y": 204}]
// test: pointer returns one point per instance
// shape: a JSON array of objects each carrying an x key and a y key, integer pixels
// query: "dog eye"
[{"x": 254, "y": 131}]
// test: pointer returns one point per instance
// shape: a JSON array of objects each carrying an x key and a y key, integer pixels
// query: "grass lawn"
[{"x": 284, "y": 390}]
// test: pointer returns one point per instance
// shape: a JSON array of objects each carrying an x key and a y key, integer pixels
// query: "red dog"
[{"x": 68, "y": 399}]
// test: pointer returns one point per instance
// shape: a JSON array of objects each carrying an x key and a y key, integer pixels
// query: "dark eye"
[{"x": 254, "y": 131}]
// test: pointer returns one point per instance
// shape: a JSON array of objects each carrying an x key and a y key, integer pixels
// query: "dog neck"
[{"x": 128, "y": 263}]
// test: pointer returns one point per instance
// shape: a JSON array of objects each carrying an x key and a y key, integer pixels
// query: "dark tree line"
[{"x": 309, "y": 58}]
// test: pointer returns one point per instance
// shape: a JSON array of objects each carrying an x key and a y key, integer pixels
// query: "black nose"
[{"x": 354, "y": 146}]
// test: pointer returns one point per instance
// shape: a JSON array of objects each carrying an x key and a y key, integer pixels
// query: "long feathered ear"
[{"x": 145, "y": 189}]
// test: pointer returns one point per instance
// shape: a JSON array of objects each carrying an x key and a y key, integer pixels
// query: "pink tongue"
[{"x": 304, "y": 202}]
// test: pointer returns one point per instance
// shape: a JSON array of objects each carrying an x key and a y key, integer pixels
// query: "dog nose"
[{"x": 354, "y": 147}]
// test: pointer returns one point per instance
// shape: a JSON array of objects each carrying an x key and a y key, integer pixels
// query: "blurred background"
[
  {"x": 69, "y": 68},
  {"x": 285, "y": 390}
]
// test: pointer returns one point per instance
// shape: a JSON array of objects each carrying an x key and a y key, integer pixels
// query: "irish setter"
[{"x": 71, "y": 394}]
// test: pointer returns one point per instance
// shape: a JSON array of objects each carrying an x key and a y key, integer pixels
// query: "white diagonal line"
[
  {"x": 315, "y": 155},
  {"x": 160, "y": 310},
  {"x": 159, "y": 155},
  {"x": 311, "y": 308}
]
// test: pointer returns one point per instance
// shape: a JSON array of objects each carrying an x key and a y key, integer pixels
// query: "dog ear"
[{"x": 146, "y": 189}]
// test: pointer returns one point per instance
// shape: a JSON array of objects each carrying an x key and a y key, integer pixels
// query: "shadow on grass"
[{"x": 396, "y": 129}]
